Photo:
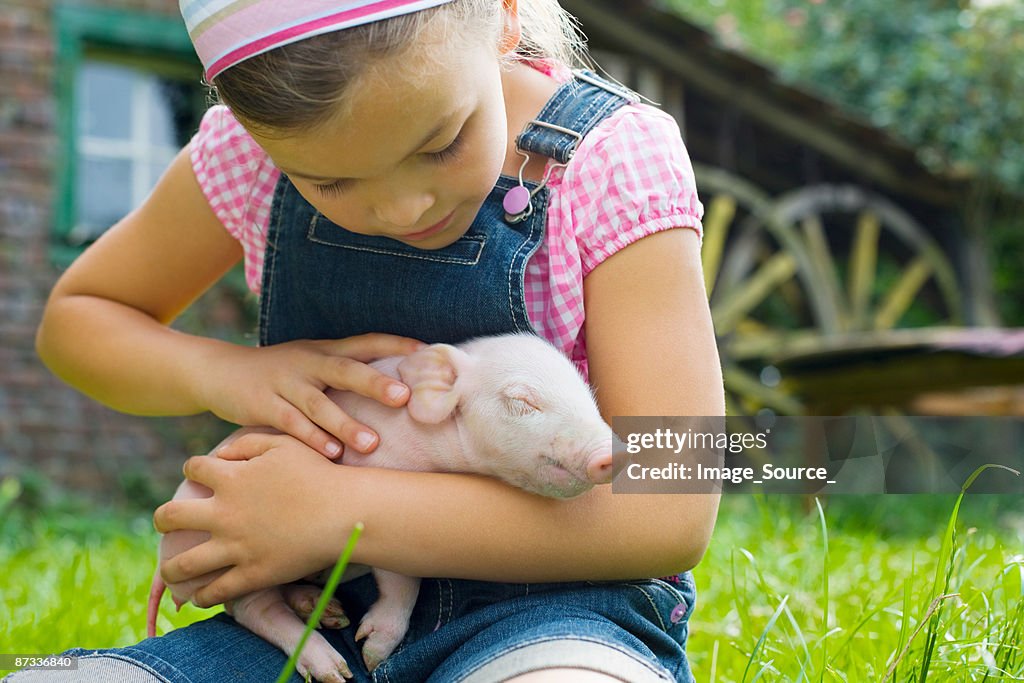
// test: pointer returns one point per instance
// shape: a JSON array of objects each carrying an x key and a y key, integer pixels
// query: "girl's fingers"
[
  {"x": 202, "y": 470},
  {"x": 249, "y": 446},
  {"x": 368, "y": 347},
  {"x": 230, "y": 585},
  {"x": 291, "y": 420},
  {"x": 350, "y": 374},
  {"x": 185, "y": 513},
  {"x": 195, "y": 562},
  {"x": 326, "y": 413}
]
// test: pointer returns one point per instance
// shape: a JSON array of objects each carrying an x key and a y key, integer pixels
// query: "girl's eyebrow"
[{"x": 438, "y": 129}]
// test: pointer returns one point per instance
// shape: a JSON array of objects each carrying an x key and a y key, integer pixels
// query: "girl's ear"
[{"x": 512, "y": 32}]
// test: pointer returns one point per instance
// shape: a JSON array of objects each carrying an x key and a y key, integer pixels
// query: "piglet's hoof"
[
  {"x": 324, "y": 665},
  {"x": 382, "y": 633},
  {"x": 302, "y": 599}
]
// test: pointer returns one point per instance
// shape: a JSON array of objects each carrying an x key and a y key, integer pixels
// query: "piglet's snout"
[
  {"x": 591, "y": 456},
  {"x": 599, "y": 464}
]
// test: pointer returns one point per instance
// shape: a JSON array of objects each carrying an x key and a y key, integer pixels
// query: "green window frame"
[{"x": 153, "y": 43}]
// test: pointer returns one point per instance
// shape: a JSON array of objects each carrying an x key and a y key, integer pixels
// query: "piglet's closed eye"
[
  {"x": 431, "y": 375},
  {"x": 521, "y": 400}
]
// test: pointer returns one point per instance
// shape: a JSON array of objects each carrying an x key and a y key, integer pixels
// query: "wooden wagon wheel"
[
  {"x": 814, "y": 264},
  {"x": 733, "y": 206}
]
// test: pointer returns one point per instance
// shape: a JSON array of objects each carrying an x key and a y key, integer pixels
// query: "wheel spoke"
[
  {"x": 863, "y": 264},
  {"x": 745, "y": 298},
  {"x": 825, "y": 265},
  {"x": 902, "y": 294},
  {"x": 716, "y": 228}
]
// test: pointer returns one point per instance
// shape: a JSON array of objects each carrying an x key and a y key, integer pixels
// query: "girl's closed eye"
[
  {"x": 446, "y": 155},
  {"x": 450, "y": 152},
  {"x": 331, "y": 189}
]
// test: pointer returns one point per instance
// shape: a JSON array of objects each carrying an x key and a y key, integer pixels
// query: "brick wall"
[{"x": 46, "y": 426}]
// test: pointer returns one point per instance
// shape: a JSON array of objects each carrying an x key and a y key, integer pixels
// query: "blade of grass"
[
  {"x": 764, "y": 636},
  {"x": 825, "y": 605},
  {"x": 1010, "y": 654},
  {"x": 714, "y": 663},
  {"x": 905, "y": 622},
  {"x": 948, "y": 551},
  {"x": 803, "y": 642},
  {"x": 932, "y": 609},
  {"x": 325, "y": 597}
]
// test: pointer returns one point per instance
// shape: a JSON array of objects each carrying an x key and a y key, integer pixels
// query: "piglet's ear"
[{"x": 431, "y": 375}]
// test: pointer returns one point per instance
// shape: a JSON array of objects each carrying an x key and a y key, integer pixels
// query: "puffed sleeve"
[
  {"x": 631, "y": 177},
  {"x": 237, "y": 178}
]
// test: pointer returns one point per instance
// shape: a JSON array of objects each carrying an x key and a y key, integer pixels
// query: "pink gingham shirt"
[{"x": 630, "y": 177}]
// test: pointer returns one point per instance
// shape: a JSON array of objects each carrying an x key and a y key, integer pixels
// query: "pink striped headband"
[{"x": 226, "y": 32}]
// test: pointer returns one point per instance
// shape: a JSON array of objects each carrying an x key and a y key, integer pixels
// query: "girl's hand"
[
  {"x": 268, "y": 524},
  {"x": 282, "y": 386}
]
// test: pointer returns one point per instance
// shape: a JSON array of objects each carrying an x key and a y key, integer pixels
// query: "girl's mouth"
[{"x": 432, "y": 230}]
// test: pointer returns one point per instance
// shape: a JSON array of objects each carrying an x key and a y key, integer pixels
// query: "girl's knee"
[{"x": 88, "y": 670}]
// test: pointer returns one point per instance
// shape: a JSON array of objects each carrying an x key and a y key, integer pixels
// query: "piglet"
[{"x": 508, "y": 406}]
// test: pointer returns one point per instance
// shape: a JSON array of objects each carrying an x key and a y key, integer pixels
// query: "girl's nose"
[{"x": 404, "y": 211}]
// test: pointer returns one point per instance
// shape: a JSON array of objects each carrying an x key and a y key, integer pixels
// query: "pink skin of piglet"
[{"x": 508, "y": 406}]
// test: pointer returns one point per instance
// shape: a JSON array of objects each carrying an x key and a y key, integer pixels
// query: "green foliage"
[
  {"x": 1007, "y": 243},
  {"x": 945, "y": 76},
  {"x": 785, "y": 592},
  {"x": 942, "y": 75}
]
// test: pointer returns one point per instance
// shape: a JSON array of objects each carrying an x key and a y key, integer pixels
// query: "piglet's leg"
[
  {"x": 266, "y": 614},
  {"x": 386, "y": 622},
  {"x": 302, "y": 598}
]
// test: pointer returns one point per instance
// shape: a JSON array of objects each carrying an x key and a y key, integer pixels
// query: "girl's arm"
[
  {"x": 652, "y": 352},
  {"x": 105, "y": 329}
]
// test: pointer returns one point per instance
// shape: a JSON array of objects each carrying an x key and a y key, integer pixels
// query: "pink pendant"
[{"x": 516, "y": 200}]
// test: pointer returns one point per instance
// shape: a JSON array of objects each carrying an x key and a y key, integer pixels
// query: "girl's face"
[{"x": 416, "y": 153}]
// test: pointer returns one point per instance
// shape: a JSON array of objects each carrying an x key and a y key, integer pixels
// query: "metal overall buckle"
[{"x": 518, "y": 202}]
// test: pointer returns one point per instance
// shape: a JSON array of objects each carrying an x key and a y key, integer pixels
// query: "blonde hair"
[{"x": 299, "y": 86}]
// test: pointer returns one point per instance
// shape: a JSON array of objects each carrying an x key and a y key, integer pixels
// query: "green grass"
[
  {"x": 788, "y": 594},
  {"x": 75, "y": 577},
  {"x": 785, "y": 593}
]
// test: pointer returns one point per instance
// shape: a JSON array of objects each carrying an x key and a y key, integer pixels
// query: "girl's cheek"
[{"x": 343, "y": 211}]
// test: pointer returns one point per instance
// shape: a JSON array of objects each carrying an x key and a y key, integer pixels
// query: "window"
[{"x": 130, "y": 96}]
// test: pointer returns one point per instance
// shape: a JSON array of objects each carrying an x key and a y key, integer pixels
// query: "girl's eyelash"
[
  {"x": 449, "y": 152},
  {"x": 331, "y": 189},
  {"x": 443, "y": 156}
]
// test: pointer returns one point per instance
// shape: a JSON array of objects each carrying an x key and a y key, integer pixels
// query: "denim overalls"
[{"x": 322, "y": 282}]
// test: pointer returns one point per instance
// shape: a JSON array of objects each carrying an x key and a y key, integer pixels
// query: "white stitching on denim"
[
  {"x": 444, "y": 613},
  {"x": 383, "y": 668},
  {"x": 451, "y": 600},
  {"x": 272, "y": 252},
  {"x": 654, "y": 605},
  {"x": 385, "y": 252},
  {"x": 669, "y": 587},
  {"x": 481, "y": 241},
  {"x": 534, "y": 220}
]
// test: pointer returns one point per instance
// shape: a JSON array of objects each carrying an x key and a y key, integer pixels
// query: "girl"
[{"x": 369, "y": 168}]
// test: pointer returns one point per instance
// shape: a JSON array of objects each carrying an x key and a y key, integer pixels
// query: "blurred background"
[{"x": 861, "y": 163}]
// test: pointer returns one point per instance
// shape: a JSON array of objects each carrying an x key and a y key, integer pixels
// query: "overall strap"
[{"x": 576, "y": 107}]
